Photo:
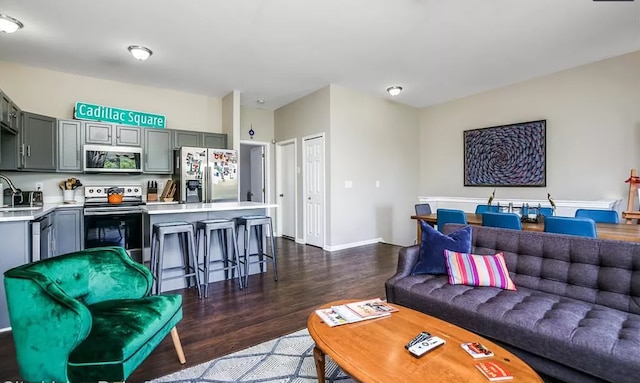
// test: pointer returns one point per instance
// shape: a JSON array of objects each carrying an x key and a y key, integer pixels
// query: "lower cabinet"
[
  {"x": 15, "y": 237},
  {"x": 68, "y": 231}
]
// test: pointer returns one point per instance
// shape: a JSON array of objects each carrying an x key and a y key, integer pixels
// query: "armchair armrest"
[
  {"x": 407, "y": 259},
  {"x": 46, "y": 323}
]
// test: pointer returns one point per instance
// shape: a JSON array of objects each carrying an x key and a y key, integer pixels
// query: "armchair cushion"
[{"x": 119, "y": 338}]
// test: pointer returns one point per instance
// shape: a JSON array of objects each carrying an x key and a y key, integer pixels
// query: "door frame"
[
  {"x": 324, "y": 188},
  {"x": 279, "y": 183},
  {"x": 267, "y": 166}
]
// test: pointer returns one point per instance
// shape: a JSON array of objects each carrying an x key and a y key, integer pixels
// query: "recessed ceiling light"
[
  {"x": 140, "y": 52},
  {"x": 394, "y": 90},
  {"x": 8, "y": 24},
  {"x": 260, "y": 101}
]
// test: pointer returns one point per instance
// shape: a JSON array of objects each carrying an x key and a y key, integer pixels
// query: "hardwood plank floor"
[{"x": 231, "y": 319}]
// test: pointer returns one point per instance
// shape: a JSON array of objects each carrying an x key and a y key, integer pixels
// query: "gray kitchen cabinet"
[
  {"x": 68, "y": 230},
  {"x": 128, "y": 135},
  {"x": 9, "y": 114},
  {"x": 97, "y": 133},
  {"x": 9, "y": 152},
  {"x": 16, "y": 237},
  {"x": 186, "y": 138},
  {"x": 214, "y": 140},
  {"x": 39, "y": 142},
  {"x": 158, "y": 151},
  {"x": 70, "y": 140}
]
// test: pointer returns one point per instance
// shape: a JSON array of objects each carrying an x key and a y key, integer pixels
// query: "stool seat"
[
  {"x": 205, "y": 230},
  {"x": 255, "y": 224},
  {"x": 185, "y": 233}
]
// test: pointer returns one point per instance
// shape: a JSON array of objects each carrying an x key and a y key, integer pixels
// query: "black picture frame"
[{"x": 506, "y": 155}]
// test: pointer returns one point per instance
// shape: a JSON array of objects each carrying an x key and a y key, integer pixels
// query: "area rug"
[{"x": 288, "y": 359}]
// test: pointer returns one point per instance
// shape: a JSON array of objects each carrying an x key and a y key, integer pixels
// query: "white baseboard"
[
  {"x": 300, "y": 241},
  {"x": 352, "y": 244},
  {"x": 5, "y": 329}
]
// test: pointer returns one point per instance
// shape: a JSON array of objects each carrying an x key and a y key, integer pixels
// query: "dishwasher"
[{"x": 41, "y": 235}]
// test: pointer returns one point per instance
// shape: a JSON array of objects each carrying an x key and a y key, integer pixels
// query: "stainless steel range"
[{"x": 114, "y": 224}]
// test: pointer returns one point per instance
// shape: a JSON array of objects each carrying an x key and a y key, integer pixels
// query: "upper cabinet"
[
  {"x": 214, "y": 140},
  {"x": 39, "y": 142},
  {"x": 70, "y": 138},
  {"x": 199, "y": 139},
  {"x": 9, "y": 114},
  {"x": 110, "y": 134},
  {"x": 158, "y": 151}
]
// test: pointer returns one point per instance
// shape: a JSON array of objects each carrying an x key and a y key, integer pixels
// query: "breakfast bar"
[{"x": 192, "y": 213}]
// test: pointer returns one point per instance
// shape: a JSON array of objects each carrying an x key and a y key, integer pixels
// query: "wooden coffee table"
[{"x": 373, "y": 350}]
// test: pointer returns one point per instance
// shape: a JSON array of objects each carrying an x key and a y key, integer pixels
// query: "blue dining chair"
[
  {"x": 600, "y": 216},
  {"x": 585, "y": 227},
  {"x": 546, "y": 211},
  {"x": 484, "y": 208},
  {"x": 423, "y": 209},
  {"x": 445, "y": 216},
  {"x": 503, "y": 220}
]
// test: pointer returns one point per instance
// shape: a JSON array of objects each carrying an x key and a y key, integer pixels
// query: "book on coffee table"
[
  {"x": 477, "y": 350},
  {"x": 493, "y": 371},
  {"x": 343, "y": 314}
]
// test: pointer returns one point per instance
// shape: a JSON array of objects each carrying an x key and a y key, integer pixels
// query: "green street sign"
[{"x": 84, "y": 111}]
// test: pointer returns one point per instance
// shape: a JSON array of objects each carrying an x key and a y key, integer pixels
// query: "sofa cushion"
[
  {"x": 123, "y": 330},
  {"x": 478, "y": 270},
  {"x": 596, "y": 339},
  {"x": 434, "y": 243}
]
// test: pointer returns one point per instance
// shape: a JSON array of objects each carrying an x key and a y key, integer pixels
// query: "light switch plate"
[{"x": 348, "y": 184}]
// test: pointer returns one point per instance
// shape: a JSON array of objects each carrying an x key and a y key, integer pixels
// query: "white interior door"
[
  {"x": 313, "y": 149},
  {"x": 287, "y": 189},
  {"x": 257, "y": 174}
]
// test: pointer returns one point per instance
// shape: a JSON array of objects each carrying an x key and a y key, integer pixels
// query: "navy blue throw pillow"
[{"x": 434, "y": 243}]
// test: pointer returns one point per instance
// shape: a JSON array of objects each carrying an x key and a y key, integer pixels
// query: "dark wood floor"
[{"x": 231, "y": 319}]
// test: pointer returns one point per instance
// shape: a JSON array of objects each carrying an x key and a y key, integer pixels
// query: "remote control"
[
  {"x": 424, "y": 346},
  {"x": 419, "y": 338}
]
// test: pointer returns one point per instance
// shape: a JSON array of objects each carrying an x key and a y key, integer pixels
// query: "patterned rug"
[{"x": 288, "y": 359}]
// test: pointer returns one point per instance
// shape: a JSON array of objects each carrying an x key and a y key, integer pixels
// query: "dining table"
[{"x": 614, "y": 231}]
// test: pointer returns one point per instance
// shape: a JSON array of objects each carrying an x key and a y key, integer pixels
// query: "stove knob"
[
  {"x": 129, "y": 190},
  {"x": 90, "y": 190},
  {"x": 135, "y": 190}
]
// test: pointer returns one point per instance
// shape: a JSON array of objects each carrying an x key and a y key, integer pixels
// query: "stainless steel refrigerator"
[{"x": 206, "y": 175}]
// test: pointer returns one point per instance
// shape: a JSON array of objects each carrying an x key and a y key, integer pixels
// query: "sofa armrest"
[
  {"x": 407, "y": 259},
  {"x": 46, "y": 324}
]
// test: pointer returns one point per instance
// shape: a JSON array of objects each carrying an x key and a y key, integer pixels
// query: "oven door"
[{"x": 114, "y": 227}]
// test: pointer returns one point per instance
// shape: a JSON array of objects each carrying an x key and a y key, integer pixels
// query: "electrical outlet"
[
  {"x": 160, "y": 186},
  {"x": 38, "y": 186}
]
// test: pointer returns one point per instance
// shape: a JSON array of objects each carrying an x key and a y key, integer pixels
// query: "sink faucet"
[{"x": 14, "y": 190}]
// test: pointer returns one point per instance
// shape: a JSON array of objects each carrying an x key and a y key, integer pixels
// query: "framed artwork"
[{"x": 507, "y": 155}]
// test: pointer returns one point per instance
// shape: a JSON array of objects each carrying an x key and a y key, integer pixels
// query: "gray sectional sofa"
[{"x": 575, "y": 315}]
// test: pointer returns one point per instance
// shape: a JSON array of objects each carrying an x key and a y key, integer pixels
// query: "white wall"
[
  {"x": 593, "y": 132},
  {"x": 54, "y": 94},
  {"x": 372, "y": 140},
  {"x": 261, "y": 120},
  {"x": 305, "y": 116}
]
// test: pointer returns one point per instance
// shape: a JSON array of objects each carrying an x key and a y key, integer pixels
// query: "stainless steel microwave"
[{"x": 112, "y": 159}]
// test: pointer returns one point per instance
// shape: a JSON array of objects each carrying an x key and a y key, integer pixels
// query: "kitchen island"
[{"x": 193, "y": 212}]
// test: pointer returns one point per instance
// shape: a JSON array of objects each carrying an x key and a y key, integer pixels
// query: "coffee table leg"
[{"x": 318, "y": 356}]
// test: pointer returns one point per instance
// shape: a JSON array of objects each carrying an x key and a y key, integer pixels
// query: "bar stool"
[
  {"x": 184, "y": 230},
  {"x": 255, "y": 223},
  {"x": 205, "y": 229}
]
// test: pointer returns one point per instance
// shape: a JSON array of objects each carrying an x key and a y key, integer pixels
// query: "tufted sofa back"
[{"x": 598, "y": 271}]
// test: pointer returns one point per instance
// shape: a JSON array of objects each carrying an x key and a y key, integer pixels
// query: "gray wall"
[{"x": 593, "y": 132}]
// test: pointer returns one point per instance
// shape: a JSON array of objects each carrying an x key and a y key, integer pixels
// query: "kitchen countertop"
[
  {"x": 204, "y": 207},
  {"x": 150, "y": 208}
]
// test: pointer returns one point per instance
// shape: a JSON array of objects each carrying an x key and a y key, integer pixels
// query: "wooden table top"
[
  {"x": 615, "y": 231},
  {"x": 373, "y": 350}
]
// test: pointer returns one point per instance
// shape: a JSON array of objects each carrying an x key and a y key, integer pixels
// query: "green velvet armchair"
[{"x": 87, "y": 316}]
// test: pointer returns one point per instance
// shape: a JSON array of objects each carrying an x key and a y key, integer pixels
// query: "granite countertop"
[
  {"x": 30, "y": 215},
  {"x": 204, "y": 207}
]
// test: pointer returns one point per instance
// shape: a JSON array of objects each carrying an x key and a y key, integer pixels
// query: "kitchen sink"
[{"x": 19, "y": 208}]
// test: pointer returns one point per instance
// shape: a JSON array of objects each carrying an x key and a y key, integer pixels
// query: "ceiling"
[{"x": 280, "y": 50}]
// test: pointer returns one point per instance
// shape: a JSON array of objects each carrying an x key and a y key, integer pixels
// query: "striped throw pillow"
[{"x": 478, "y": 270}]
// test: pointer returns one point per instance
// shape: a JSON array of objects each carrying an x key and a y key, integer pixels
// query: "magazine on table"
[{"x": 343, "y": 314}]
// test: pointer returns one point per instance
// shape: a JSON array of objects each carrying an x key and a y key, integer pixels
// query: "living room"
[{"x": 583, "y": 80}]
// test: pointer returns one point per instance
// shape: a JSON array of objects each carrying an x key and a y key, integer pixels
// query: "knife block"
[{"x": 152, "y": 197}]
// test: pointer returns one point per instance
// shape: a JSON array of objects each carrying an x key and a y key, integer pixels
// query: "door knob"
[
  {"x": 281, "y": 195},
  {"x": 309, "y": 198}
]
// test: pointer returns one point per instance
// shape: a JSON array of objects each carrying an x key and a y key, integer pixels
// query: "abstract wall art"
[{"x": 507, "y": 155}]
